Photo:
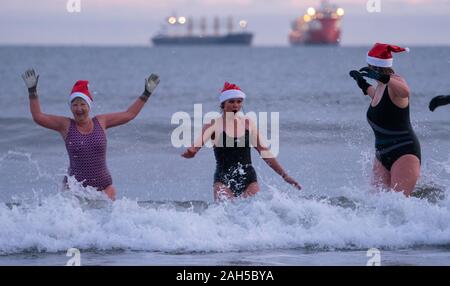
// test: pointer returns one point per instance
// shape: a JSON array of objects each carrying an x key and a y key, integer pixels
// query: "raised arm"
[
  {"x": 439, "y": 101},
  {"x": 57, "y": 123},
  {"x": 119, "y": 118},
  {"x": 398, "y": 86},
  {"x": 371, "y": 91},
  {"x": 268, "y": 157},
  {"x": 207, "y": 132},
  {"x": 366, "y": 88}
]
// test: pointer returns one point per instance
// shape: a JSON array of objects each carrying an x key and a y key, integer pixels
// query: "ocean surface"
[{"x": 165, "y": 214}]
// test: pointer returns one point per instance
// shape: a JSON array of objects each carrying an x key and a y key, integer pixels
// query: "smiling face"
[
  {"x": 80, "y": 109},
  {"x": 232, "y": 105}
]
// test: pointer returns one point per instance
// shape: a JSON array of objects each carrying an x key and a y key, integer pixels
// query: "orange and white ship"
[{"x": 320, "y": 26}]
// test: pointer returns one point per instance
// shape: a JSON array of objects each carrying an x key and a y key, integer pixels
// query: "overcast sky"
[{"x": 133, "y": 22}]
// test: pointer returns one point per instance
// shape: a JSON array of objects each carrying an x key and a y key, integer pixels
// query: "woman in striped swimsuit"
[{"x": 85, "y": 137}]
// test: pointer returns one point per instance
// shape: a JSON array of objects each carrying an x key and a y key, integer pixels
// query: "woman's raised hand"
[
  {"x": 31, "y": 79},
  {"x": 151, "y": 83}
]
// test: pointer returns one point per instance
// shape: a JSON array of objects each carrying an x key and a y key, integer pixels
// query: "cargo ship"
[
  {"x": 179, "y": 31},
  {"x": 321, "y": 26}
]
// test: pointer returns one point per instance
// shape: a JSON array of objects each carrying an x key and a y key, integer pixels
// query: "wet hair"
[{"x": 381, "y": 70}]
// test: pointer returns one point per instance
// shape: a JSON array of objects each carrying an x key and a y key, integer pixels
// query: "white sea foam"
[{"x": 273, "y": 219}]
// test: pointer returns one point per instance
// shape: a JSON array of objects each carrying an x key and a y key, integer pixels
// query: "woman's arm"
[
  {"x": 371, "y": 91},
  {"x": 57, "y": 123},
  {"x": 439, "y": 101},
  {"x": 207, "y": 132},
  {"x": 398, "y": 86},
  {"x": 365, "y": 87},
  {"x": 268, "y": 157},
  {"x": 119, "y": 118}
]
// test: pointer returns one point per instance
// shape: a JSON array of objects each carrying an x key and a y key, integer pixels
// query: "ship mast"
[
  {"x": 190, "y": 26},
  {"x": 230, "y": 25},
  {"x": 203, "y": 26},
  {"x": 216, "y": 26}
]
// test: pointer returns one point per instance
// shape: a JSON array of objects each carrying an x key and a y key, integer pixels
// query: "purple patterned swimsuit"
[{"x": 87, "y": 155}]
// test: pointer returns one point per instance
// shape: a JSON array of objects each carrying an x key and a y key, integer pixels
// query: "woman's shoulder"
[
  {"x": 398, "y": 78},
  {"x": 100, "y": 119},
  {"x": 67, "y": 122}
]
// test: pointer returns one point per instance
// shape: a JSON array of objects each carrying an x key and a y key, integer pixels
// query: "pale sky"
[{"x": 133, "y": 22}]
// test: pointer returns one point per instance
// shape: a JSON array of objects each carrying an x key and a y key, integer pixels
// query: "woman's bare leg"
[
  {"x": 110, "y": 191},
  {"x": 222, "y": 192},
  {"x": 381, "y": 176},
  {"x": 404, "y": 174},
  {"x": 251, "y": 190}
]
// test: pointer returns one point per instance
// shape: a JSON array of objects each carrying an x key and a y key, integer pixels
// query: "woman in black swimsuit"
[
  {"x": 233, "y": 135},
  {"x": 397, "y": 163}
]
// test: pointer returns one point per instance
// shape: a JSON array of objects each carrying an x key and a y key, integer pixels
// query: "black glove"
[
  {"x": 438, "y": 101},
  {"x": 370, "y": 73},
  {"x": 362, "y": 83}
]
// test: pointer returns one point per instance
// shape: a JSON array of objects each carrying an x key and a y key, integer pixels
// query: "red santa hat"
[
  {"x": 380, "y": 55},
  {"x": 230, "y": 91},
  {"x": 80, "y": 89}
]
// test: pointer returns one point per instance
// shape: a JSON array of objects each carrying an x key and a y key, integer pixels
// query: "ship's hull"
[
  {"x": 244, "y": 39},
  {"x": 322, "y": 32}
]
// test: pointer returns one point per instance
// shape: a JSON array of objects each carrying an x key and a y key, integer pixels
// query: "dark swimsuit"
[
  {"x": 394, "y": 136},
  {"x": 233, "y": 163}
]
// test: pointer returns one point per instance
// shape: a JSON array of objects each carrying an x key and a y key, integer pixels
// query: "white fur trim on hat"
[
  {"x": 383, "y": 63},
  {"x": 231, "y": 93},
  {"x": 82, "y": 95}
]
